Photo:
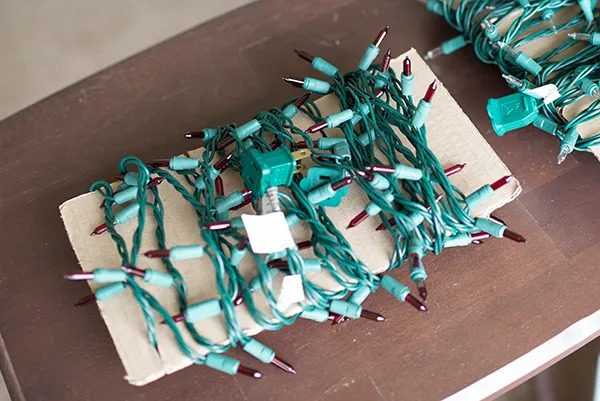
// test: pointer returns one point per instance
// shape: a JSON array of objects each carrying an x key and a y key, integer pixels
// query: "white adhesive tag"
[
  {"x": 292, "y": 291},
  {"x": 547, "y": 92},
  {"x": 268, "y": 233}
]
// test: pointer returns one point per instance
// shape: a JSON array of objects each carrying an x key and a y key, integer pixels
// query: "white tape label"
[{"x": 268, "y": 233}]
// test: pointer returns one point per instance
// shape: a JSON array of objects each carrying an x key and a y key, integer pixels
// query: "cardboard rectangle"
[{"x": 452, "y": 137}]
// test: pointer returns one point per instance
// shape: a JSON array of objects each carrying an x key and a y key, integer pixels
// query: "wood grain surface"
[{"x": 489, "y": 304}]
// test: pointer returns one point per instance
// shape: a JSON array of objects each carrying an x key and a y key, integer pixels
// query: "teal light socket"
[
  {"x": 491, "y": 227},
  {"x": 259, "y": 351},
  {"x": 359, "y": 296},
  {"x": 588, "y": 86},
  {"x": 367, "y": 137},
  {"x": 317, "y": 184},
  {"x": 102, "y": 276},
  {"x": 435, "y": 7},
  {"x": 421, "y": 114},
  {"x": 232, "y": 200},
  {"x": 379, "y": 182},
  {"x": 454, "y": 44},
  {"x": 109, "y": 291},
  {"x": 462, "y": 239},
  {"x": 338, "y": 118},
  {"x": 202, "y": 310},
  {"x": 209, "y": 133},
  {"x": 545, "y": 124},
  {"x": 183, "y": 163},
  {"x": 324, "y": 67},
  {"x": 182, "y": 252},
  {"x": 125, "y": 195},
  {"x": 527, "y": 63},
  {"x": 237, "y": 255},
  {"x": 512, "y": 112},
  {"x": 316, "y": 85},
  {"x": 222, "y": 363},
  {"x": 159, "y": 279},
  {"x": 394, "y": 287},
  {"x": 317, "y": 314},
  {"x": 415, "y": 245},
  {"x": 345, "y": 309},
  {"x": 312, "y": 265},
  {"x": 290, "y": 110},
  {"x": 247, "y": 129},
  {"x": 131, "y": 179},
  {"x": 407, "y": 84},
  {"x": 127, "y": 213},
  {"x": 483, "y": 193},
  {"x": 367, "y": 59},
  {"x": 403, "y": 172}
]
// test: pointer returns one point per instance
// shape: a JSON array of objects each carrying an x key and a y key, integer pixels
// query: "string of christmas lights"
[
  {"x": 564, "y": 76},
  {"x": 407, "y": 186}
]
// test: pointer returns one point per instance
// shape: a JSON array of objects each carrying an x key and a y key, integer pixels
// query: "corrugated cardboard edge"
[{"x": 170, "y": 359}]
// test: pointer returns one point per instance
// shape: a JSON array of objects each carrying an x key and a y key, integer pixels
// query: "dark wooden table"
[{"x": 489, "y": 304}]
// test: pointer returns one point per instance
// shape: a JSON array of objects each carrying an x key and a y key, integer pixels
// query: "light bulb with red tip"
[
  {"x": 99, "y": 230},
  {"x": 304, "y": 144},
  {"x": 246, "y": 371},
  {"x": 479, "y": 237},
  {"x": 501, "y": 182},
  {"x": 88, "y": 299},
  {"x": 304, "y": 55},
  {"x": 431, "y": 91},
  {"x": 457, "y": 168},
  {"x": 238, "y": 300},
  {"x": 79, "y": 276},
  {"x": 374, "y": 316},
  {"x": 159, "y": 163},
  {"x": 219, "y": 189},
  {"x": 317, "y": 127},
  {"x": 407, "y": 67},
  {"x": 380, "y": 36},
  {"x": 421, "y": 287},
  {"x": 180, "y": 317},
  {"x": 416, "y": 303},
  {"x": 304, "y": 245},
  {"x": 496, "y": 219},
  {"x": 283, "y": 365},
  {"x": 134, "y": 271},
  {"x": 514, "y": 236},
  {"x": 387, "y": 58},
  {"x": 223, "y": 163},
  {"x": 222, "y": 144},
  {"x": 154, "y": 182},
  {"x": 246, "y": 192},
  {"x": 359, "y": 218},
  {"x": 194, "y": 134},
  {"x": 158, "y": 253},
  {"x": 275, "y": 144},
  {"x": 216, "y": 226},
  {"x": 342, "y": 183},
  {"x": 302, "y": 99}
]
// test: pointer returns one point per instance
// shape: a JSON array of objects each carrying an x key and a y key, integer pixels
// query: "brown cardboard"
[{"x": 452, "y": 137}]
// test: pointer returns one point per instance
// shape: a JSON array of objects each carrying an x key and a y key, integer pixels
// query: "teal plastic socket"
[
  {"x": 316, "y": 85},
  {"x": 324, "y": 67},
  {"x": 421, "y": 114},
  {"x": 292, "y": 219},
  {"x": 569, "y": 141},
  {"x": 247, "y": 129},
  {"x": 237, "y": 255},
  {"x": 382, "y": 79},
  {"x": 329, "y": 143},
  {"x": 317, "y": 184},
  {"x": 454, "y": 44},
  {"x": 462, "y": 239},
  {"x": 415, "y": 245},
  {"x": 512, "y": 112},
  {"x": 125, "y": 195},
  {"x": 182, "y": 252},
  {"x": 367, "y": 59},
  {"x": 261, "y": 171},
  {"x": 415, "y": 219},
  {"x": 524, "y": 61},
  {"x": 595, "y": 39},
  {"x": 407, "y": 83},
  {"x": 359, "y": 296},
  {"x": 259, "y": 351},
  {"x": 212, "y": 173},
  {"x": 364, "y": 109},
  {"x": 313, "y": 313},
  {"x": 109, "y": 291},
  {"x": 493, "y": 34},
  {"x": 127, "y": 213},
  {"x": 418, "y": 274},
  {"x": 336, "y": 119},
  {"x": 131, "y": 179},
  {"x": 290, "y": 110},
  {"x": 312, "y": 265},
  {"x": 491, "y": 227},
  {"x": 342, "y": 149},
  {"x": 373, "y": 209},
  {"x": 344, "y": 308},
  {"x": 435, "y": 7},
  {"x": 379, "y": 182},
  {"x": 524, "y": 3},
  {"x": 209, "y": 133},
  {"x": 102, "y": 276},
  {"x": 588, "y": 87},
  {"x": 232, "y": 200},
  {"x": 183, "y": 163},
  {"x": 483, "y": 193},
  {"x": 394, "y": 287},
  {"x": 367, "y": 137},
  {"x": 403, "y": 172},
  {"x": 159, "y": 279},
  {"x": 545, "y": 124},
  {"x": 587, "y": 8},
  {"x": 222, "y": 363},
  {"x": 202, "y": 310}
]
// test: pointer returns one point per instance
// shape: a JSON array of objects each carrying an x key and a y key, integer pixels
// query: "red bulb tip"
[
  {"x": 304, "y": 55},
  {"x": 374, "y": 316},
  {"x": 238, "y": 300},
  {"x": 99, "y": 230},
  {"x": 501, "y": 182},
  {"x": 304, "y": 245},
  {"x": 431, "y": 91},
  {"x": 79, "y": 276},
  {"x": 317, "y": 127},
  {"x": 380, "y": 36},
  {"x": 194, "y": 134},
  {"x": 158, "y": 253},
  {"x": 249, "y": 372},
  {"x": 457, "y": 168},
  {"x": 407, "y": 67},
  {"x": 514, "y": 236},
  {"x": 387, "y": 58},
  {"x": 359, "y": 218},
  {"x": 416, "y": 303},
  {"x": 86, "y": 300}
]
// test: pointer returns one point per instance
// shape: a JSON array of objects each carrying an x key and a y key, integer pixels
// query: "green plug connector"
[
  {"x": 269, "y": 169},
  {"x": 567, "y": 145},
  {"x": 512, "y": 112}
]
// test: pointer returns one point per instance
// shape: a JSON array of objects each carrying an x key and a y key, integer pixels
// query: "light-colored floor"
[{"x": 48, "y": 45}]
